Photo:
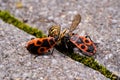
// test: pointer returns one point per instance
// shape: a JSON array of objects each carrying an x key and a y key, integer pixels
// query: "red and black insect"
[
  {"x": 83, "y": 43},
  {"x": 39, "y": 46},
  {"x": 64, "y": 40}
]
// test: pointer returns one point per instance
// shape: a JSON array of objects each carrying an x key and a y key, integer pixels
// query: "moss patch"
[
  {"x": 88, "y": 61},
  {"x": 5, "y": 16}
]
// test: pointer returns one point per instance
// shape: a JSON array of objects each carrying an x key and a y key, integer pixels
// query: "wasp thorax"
[{"x": 54, "y": 31}]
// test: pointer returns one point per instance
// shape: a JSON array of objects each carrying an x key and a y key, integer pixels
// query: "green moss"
[
  {"x": 5, "y": 16},
  {"x": 88, "y": 61}
]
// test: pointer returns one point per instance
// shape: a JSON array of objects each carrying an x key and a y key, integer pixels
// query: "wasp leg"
[
  {"x": 36, "y": 56},
  {"x": 52, "y": 51}
]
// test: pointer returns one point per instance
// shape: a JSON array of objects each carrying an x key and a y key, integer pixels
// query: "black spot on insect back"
[
  {"x": 90, "y": 49},
  {"x": 39, "y": 43},
  {"x": 82, "y": 46},
  {"x": 45, "y": 43},
  {"x": 52, "y": 42},
  {"x": 33, "y": 49},
  {"x": 42, "y": 49},
  {"x": 87, "y": 41}
]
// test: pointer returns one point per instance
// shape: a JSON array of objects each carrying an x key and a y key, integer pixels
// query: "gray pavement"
[
  {"x": 100, "y": 20},
  {"x": 16, "y": 63}
]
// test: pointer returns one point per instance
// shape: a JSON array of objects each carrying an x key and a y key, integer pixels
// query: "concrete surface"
[
  {"x": 100, "y": 20},
  {"x": 16, "y": 63}
]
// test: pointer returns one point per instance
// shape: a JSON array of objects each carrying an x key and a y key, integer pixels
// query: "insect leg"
[{"x": 52, "y": 51}]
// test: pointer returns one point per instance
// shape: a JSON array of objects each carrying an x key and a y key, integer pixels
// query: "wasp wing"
[{"x": 75, "y": 22}]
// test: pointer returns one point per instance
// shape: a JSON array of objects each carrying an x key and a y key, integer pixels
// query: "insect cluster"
[{"x": 65, "y": 40}]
